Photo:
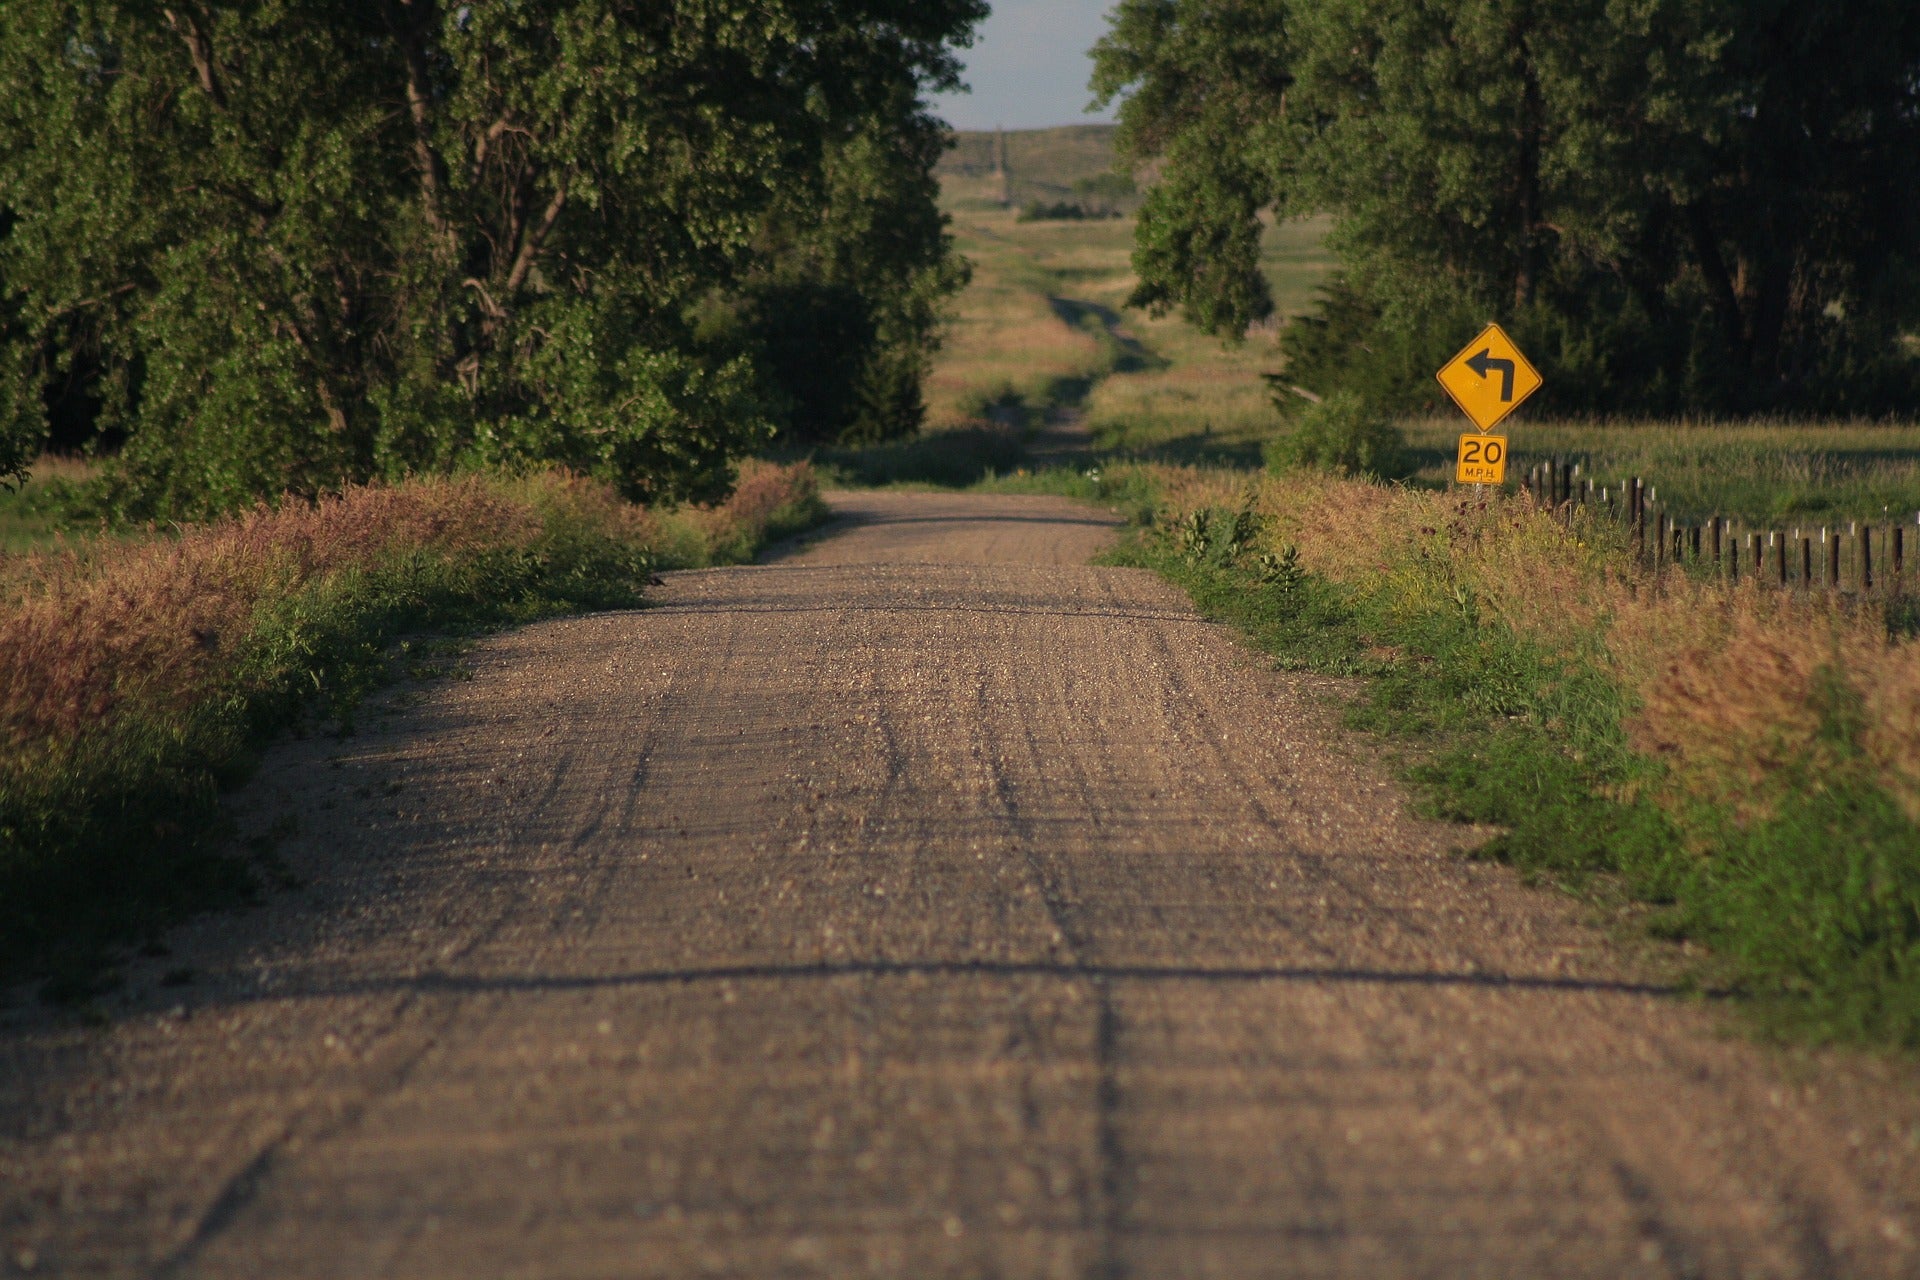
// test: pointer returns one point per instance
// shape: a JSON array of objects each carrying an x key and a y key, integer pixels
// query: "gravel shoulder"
[{"x": 924, "y": 902}]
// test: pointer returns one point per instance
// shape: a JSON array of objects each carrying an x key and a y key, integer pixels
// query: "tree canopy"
[
  {"x": 286, "y": 244},
  {"x": 1676, "y": 204}
]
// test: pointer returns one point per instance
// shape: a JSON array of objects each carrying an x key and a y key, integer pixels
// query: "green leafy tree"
[
  {"x": 300, "y": 243},
  {"x": 1676, "y": 203},
  {"x": 846, "y": 309}
]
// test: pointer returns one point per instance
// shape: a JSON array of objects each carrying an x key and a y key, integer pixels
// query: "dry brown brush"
[
  {"x": 1745, "y": 756},
  {"x": 135, "y": 671}
]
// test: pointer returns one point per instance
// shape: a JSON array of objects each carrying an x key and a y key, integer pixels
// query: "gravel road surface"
[{"x": 923, "y": 903}]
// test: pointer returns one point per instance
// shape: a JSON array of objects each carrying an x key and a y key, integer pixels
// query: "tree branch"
[
  {"x": 1706, "y": 248},
  {"x": 85, "y": 303},
  {"x": 492, "y": 309},
  {"x": 481, "y": 149},
  {"x": 426, "y": 157},
  {"x": 531, "y": 244},
  {"x": 200, "y": 49}
]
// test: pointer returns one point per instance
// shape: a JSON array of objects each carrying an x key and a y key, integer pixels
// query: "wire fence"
[{"x": 1863, "y": 559}]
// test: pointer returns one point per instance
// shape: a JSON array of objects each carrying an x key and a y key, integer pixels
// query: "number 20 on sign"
[{"x": 1483, "y": 459}]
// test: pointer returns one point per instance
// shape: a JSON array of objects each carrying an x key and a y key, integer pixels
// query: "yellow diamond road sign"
[{"x": 1489, "y": 378}]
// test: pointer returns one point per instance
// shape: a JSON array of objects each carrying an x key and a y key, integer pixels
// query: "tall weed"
[
  {"x": 1746, "y": 759},
  {"x": 136, "y": 676}
]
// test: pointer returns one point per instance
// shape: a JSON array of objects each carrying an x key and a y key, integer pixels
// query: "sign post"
[{"x": 1488, "y": 379}]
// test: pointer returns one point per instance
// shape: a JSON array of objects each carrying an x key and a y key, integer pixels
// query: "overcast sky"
[{"x": 1028, "y": 67}]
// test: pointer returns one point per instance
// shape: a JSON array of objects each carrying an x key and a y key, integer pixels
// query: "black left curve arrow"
[{"x": 1484, "y": 364}]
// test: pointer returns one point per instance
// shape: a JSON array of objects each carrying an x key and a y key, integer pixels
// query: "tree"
[
  {"x": 846, "y": 308},
  {"x": 1676, "y": 203},
  {"x": 308, "y": 242}
]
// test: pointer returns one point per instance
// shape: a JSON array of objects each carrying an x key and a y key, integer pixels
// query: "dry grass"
[
  {"x": 1735, "y": 688},
  {"x": 1006, "y": 342},
  {"x": 136, "y": 672},
  {"x": 89, "y": 635},
  {"x": 92, "y": 632},
  {"x": 1732, "y": 687}
]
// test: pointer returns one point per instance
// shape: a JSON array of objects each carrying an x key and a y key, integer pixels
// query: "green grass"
[
  {"x": 1762, "y": 473},
  {"x": 1042, "y": 164},
  {"x": 1811, "y": 912},
  {"x": 30, "y": 515},
  {"x": 1043, "y": 330},
  {"x": 950, "y": 459},
  {"x": 1204, "y": 400}
]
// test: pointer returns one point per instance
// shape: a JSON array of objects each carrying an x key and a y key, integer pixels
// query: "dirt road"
[{"x": 926, "y": 903}]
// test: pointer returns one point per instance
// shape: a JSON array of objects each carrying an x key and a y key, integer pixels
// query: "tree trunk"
[
  {"x": 407, "y": 20},
  {"x": 1531, "y": 135},
  {"x": 1726, "y": 299}
]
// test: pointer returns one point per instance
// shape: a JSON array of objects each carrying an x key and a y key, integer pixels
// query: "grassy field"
[
  {"x": 1044, "y": 329},
  {"x": 27, "y": 518},
  {"x": 1766, "y": 473},
  {"x": 1042, "y": 164}
]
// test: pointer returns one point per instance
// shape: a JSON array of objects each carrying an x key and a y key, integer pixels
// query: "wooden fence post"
[
  {"x": 1637, "y": 516},
  {"x": 1866, "y": 559}
]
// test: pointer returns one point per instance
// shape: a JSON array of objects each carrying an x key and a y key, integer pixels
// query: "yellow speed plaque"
[
  {"x": 1489, "y": 378},
  {"x": 1483, "y": 459}
]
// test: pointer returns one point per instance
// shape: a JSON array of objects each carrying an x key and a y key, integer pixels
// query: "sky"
[{"x": 1028, "y": 67}]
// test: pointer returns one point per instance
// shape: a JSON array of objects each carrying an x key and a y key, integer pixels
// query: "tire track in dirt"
[{"x": 924, "y": 902}]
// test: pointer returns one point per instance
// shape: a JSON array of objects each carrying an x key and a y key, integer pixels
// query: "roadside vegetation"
[
  {"x": 138, "y": 675},
  {"x": 322, "y": 326},
  {"x": 34, "y": 512},
  {"x": 1695, "y": 208},
  {"x": 1760, "y": 471},
  {"x": 249, "y": 250},
  {"x": 1732, "y": 768},
  {"x": 1744, "y": 761}
]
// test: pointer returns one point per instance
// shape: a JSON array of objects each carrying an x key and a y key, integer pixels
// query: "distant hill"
[{"x": 1043, "y": 165}]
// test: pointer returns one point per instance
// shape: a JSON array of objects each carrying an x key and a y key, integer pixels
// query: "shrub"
[
  {"x": 1062, "y": 211},
  {"x": 1341, "y": 434}
]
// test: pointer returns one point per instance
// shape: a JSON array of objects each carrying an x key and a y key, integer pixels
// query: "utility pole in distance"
[{"x": 1000, "y": 166}]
